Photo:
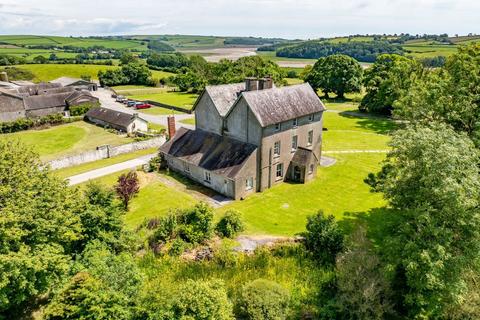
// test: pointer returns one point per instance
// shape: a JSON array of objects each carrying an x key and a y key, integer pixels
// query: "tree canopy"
[
  {"x": 432, "y": 182},
  {"x": 386, "y": 81},
  {"x": 336, "y": 73}
]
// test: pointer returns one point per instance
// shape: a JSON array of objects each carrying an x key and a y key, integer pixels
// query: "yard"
[
  {"x": 67, "y": 139},
  {"x": 282, "y": 210}
]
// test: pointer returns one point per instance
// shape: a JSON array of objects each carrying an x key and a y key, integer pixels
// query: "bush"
[
  {"x": 27, "y": 123},
  {"x": 230, "y": 224},
  {"x": 263, "y": 299},
  {"x": 203, "y": 300},
  {"x": 196, "y": 223},
  {"x": 323, "y": 237},
  {"x": 80, "y": 110}
]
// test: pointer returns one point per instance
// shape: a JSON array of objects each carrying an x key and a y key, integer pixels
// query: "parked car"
[
  {"x": 120, "y": 99},
  {"x": 142, "y": 105},
  {"x": 131, "y": 103}
]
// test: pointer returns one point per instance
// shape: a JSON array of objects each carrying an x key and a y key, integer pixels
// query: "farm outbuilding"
[
  {"x": 79, "y": 84},
  {"x": 117, "y": 120}
]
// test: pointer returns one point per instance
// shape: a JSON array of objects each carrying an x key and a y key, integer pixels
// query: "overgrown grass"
[
  {"x": 303, "y": 278},
  {"x": 67, "y": 139}
]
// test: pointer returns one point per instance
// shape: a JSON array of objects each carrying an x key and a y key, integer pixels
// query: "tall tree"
[
  {"x": 38, "y": 226},
  {"x": 450, "y": 95},
  {"x": 336, "y": 73},
  {"x": 387, "y": 80},
  {"x": 431, "y": 180}
]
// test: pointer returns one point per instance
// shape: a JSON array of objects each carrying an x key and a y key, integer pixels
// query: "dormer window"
[
  {"x": 310, "y": 117},
  {"x": 295, "y": 122},
  {"x": 278, "y": 126}
]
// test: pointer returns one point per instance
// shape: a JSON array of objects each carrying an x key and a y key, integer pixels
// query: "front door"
[{"x": 297, "y": 174}]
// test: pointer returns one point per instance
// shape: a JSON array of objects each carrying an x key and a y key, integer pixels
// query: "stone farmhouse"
[
  {"x": 249, "y": 137},
  {"x": 37, "y": 100},
  {"x": 120, "y": 121}
]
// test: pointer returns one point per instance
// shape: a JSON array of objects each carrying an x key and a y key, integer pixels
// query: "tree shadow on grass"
[
  {"x": 380, "y": 223},
  {"x": 377, "y": 124}
]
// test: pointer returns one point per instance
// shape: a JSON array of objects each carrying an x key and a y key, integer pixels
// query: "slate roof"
[
  {"x": 109, "y": 116},
  {"x": 276, "y": 105},
  {"x": 45, "y": 101},
  {"x": 221, "y": 155},
  {"x": 224, "y": 96},
  {"x": 303, "y": 156},
  {"x": 56, "y": 90},
  {"x": 34, "y": 89}
]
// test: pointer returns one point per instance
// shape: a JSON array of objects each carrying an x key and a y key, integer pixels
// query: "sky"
[{"x": 292, "y": 19}]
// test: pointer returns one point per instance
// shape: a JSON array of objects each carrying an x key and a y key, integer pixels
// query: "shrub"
[
  {"x": 166, "y": 228},
  {"x": 27, "y": 123},
  {"x": 177, "y": 247},
  {"x": 80, "y": 110},
  {"x": 196, "y": 223},
  {"x": 203, "y": 300},
  {"x": 264, "y": 299},
  {"x": 323, "y": 237},
  {"x": 230, "y": 224}
]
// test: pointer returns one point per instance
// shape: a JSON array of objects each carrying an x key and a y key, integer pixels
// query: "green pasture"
[
  {"x": 67, "y": 139},
  {"x": 178, "y": 99},
  {"x": 48, "y": 72}
]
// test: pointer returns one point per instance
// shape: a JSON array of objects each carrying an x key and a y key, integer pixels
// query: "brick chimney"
[
  {"x": 251, "y": 84},
  {"x": 171, "y": 126}
]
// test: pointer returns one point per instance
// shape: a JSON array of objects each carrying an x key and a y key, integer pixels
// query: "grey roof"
[
  {"x": 34, "y": 89},
  {"x": 109, "y": 116},
  {"x": 76, "y": 94},
  {"x": 56, "y": 90},
  {"x": 219, "y": 154},
  {"x": 45, "y": 101},
  {"x": 276, "y": 105},
  {"x": 303, "y": 156},
  {"x": 66, "y": 81},
  {"x": 224, "y": 96}
]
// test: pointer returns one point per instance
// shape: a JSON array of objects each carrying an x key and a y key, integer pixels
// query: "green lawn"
[
  {"x": 71, "y": 171},
  {"x": 67, "y": 139},
  {"x": 190, "y": 121},
  {"x": 160, "y": 111},
  {"x": 178, "y": 99},
  {"x": 155, "y": 200}
]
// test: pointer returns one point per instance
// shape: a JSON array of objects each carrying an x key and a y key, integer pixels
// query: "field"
[
  {"x": 48, "y": 72},
  {"x": 282, "y": 210},
  {"x": 162, "y": 95},
  {"x": 67, "y": 139}
]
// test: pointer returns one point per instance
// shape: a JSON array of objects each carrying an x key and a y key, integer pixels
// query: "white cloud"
[{"x": 286, "y": 18}]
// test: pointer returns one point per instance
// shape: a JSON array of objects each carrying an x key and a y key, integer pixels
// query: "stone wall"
[{"x": 105, "y": 152}]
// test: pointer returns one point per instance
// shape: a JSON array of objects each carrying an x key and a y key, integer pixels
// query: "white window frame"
[
  {"x": 277, "y": 145},
  {"x": 278, "y": 126},
  {"x": 295, "y": 122},
  {"x": 279, "y": 168},
  {"x": 249, "y": 183},
  {"x": 311, "y": 168},
  {"x": 294, "y": 143},
  {"x": 310, "y": 138},
  {"x": 208, "y": 177}
]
